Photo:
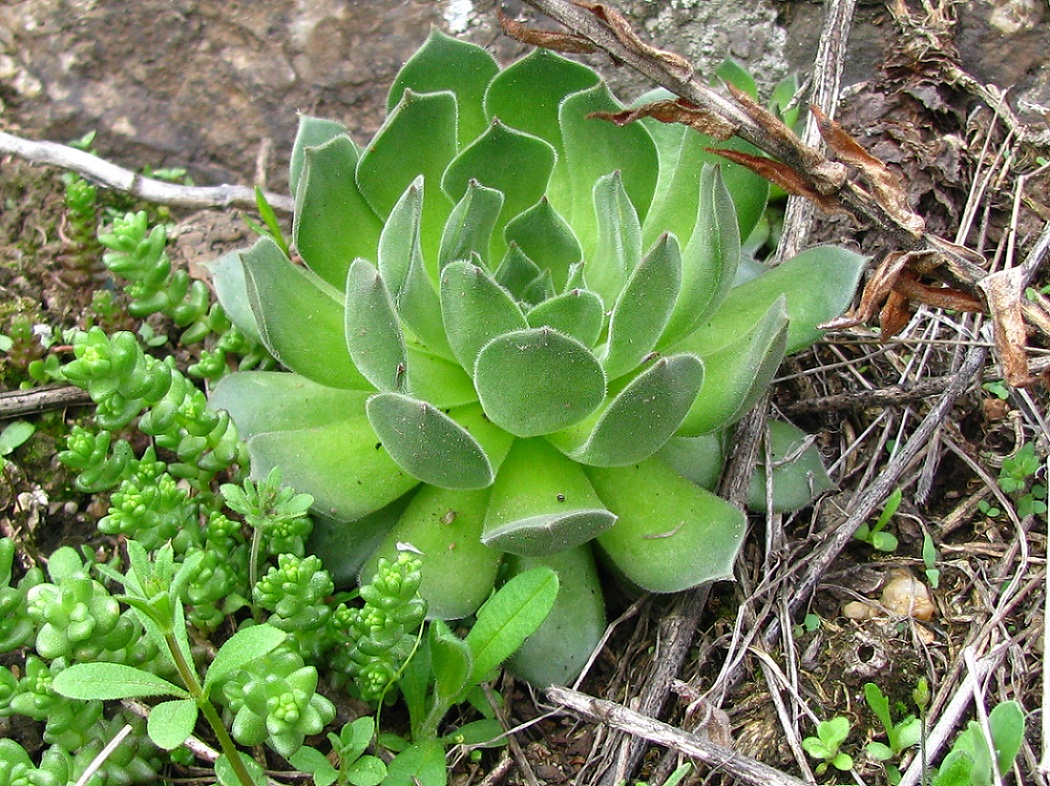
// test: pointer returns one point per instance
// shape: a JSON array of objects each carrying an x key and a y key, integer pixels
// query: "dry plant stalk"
[{"x": 923, "y": 267}]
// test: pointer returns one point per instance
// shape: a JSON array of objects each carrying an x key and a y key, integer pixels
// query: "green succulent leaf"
[
  {"x": 710, "y": 259},
  {"x": 508, "y": 618},
  {"x": 285, "y": 299},
  {"x": 818, "y": 284},
  {"x": 670, "y": 535},
  {"x": 643, "y": 308},
  {"x": 446, "y": 63},
  {"x": 536, "y": 381},
  {"x": 542, "y": 503},
  {"x": 469, "y": 228},
  {"x": 516, "y": 272},
  {"x": 333, "y": 223},
  {"x": 427, "y": 443},
  {"x": 698, "y": 459},
  {"x": 231, "y": 288},
  {"x": 798, "y": 472},
  {"x": 444, "y": 526},
  {"x": 260, "y": 401},
  {"x": 642, "y": 416},
  {"x": 517, "y": 164},
  {"x": 418, "y": 139},
  {"x": 578, "y": 313},
  {"x": 476, "y": 310},
  {"x": 437, "y": 380},
  {"x": 373, "y": 330},
  {"x": 594, "y": 148},
  {"x": 451, "y": 662},
  {"x": 344, "y": 545},
  {"x": 312, "y": 132},
  {"x": 170, "y": 723},
  {"x": 739, "y": 373},
  {"x": 405, "y": 272},
  {"x": 557, "y": 652},
  {"x": 619, "y": 243},
  {"x": 545, "y": 239}
]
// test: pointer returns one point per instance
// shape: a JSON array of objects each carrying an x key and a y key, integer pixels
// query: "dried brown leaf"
[
  {"x": 680, "y": 67},
  {"x": 885, "y": 186},
  {"x": 569, "y": 43},
  {"x": 894, "y": 315},
  {"x": 1004, "y": 293},
  {"x": 876, "y": 291},
  {"x": 782, "y": 175},
  {"x": 674, "y": 111}
]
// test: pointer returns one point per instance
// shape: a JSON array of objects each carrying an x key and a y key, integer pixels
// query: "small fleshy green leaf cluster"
[{"x": 517, "y": 339}]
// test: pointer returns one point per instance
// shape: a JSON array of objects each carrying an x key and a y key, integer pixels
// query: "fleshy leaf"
[
  {"x": 670, "y": 535},
  {"x": 476, "y": 309},
  {"x": 231, "y": 288},
  {"x": 642, "y": 416},
  {"x": 437, "y": 380},
  {"x": 446, "y": 63},
  {"x": 344, "y": 545},
  {"x": 546, "y": 239},
  {"x": 418, "y": 138},
  {"x": 818, "y": 283},
  {"x": 427, "y": 443},
  {"x": 643, "y": 308},
  {"x": 698, "y": 459},
  {"x": 512, "y": 162},
  {"x": 469, "y": 227},
  {"x": 798, "y": 472},
  {"x": 542, "y": 503},
  {"x": 285, "y": 299},
  {"x": 594, "y": 148},
  {"x": 516, "y": 271},
  {"x": 445, "y": 527},
  {"x": 405, "y": 272},
  {"x": 739, "y": 373},
  {"x": 312, "y": 132},
  {"x": 577, "y": 313},
  {"x": 710, "y": 259},
  {"x": 333, "y": 223},
  {"x": 619, "y": 243},
  {"x": 557, "y": 652},
  {"x": 536, "y": 381},
  {"x": 373, "y": 331}
]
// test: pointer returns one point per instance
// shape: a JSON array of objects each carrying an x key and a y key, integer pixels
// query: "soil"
[{"x": 215, "y": 87}]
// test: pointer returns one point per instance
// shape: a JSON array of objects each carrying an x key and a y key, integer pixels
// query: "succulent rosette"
[{"x": 515, "y": 338}]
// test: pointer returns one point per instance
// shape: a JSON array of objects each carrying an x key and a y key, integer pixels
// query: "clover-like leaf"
[
  {"x": 537, "y": 381},
  {"x": 542, "y": 503}
]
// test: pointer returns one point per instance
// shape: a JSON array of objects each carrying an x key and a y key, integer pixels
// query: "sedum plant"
[{"x": 512, "y": 339}]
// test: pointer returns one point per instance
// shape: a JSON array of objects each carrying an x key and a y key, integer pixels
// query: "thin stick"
[
  {"x": 743, "y": 768},
  {"x": 145, "y": 188},
  {"x": 16, "y": 403}
]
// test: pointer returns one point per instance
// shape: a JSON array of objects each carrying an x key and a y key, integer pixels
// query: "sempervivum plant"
[{"x": 514, "y": 339}]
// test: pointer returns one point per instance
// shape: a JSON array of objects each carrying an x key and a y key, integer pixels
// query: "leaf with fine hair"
[
  {"x": 108, "y": 681},
  {"x": 241, "y": 648},
  {"x": 373, "y": 331},
  {"x": 476, "y": 309},
  {"x": 170, "y": 723}
]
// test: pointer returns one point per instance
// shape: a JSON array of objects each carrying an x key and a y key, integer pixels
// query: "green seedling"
[
  {"x": 13, "y": 436},
  {"x": 825, "y": 746},
  {"x": 900, "y": 735},
  {"x": 874, "y": 535},
  {"x": 929, "y": 559},
  {"x": 971, "y": 763},
  {"x": 673, "y": 779},
  {"x": 353, "y": 767}
]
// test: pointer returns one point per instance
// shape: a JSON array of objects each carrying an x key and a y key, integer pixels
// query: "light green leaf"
[
  {"x": 333, "y": 223},
  {"x": 509, "y": 617},
  {"x": 227, "y": 776},
  {"x": 373, "y": 330},
  {"x": 311, "y": 760},
  {"x": 698, "y": 459},
  {"x": 710, "y": 259},
  {"x": 642, "y": 416},
  {"x": 618, "y": 250},
  {"x": 444, "y": 525},
  {"x": 557, "y": 652},
  {"x": 300, "y": 318},
  {"x": 442, "y": 382},
  {"x": 170, "y": 723},
  {"x": 450, "y": 660},
  {"x": 670, "y": 535},
  {"x": 469, "y": 228},
  {"x": 818, "y": 284},
  {"x": 798, "y": 472},
  {"x": 427, "y": 443},
  {"x": 1006, "y": 721},
  {"x": 643, "y": 307},
  {"x": 421, "y": 764},
  {"x": 739, "y": 373},
  {"x": 446, "y": 63},
  {"x": 516, "y": 272},
  {"x": 242, "y": 648},
  {"x": 231, "y": 288},
  {"x": 476, "y": 309},
  {"x": 546, "y": 239},
  {"x": 514, "y": 163},
  {"x": 536, "y": 381},
  {"x": 417, "y": 138},
  {"x": 578, "y": 313},
  {"x": 312, "y": 132},
  {"x": 542, "y": 503},
  {"x": 108, "y": 681}
]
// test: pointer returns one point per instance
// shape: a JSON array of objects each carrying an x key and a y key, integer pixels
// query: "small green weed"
[
  {"x": 874, "y": 535},
  {"x": 825, "y": 746}
]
